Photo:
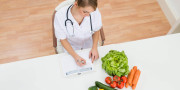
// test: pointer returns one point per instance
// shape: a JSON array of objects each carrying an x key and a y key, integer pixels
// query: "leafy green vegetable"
[{"x": 115, "y": 63}]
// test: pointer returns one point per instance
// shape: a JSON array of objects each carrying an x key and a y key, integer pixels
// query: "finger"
[
  {"x": 83, "y": 62},
  {"x": 93, "y": 57},
  {"x": 78, "y": 64},
  {"x": 90, "y": 54},
  {"x": 96, "y": 57}
]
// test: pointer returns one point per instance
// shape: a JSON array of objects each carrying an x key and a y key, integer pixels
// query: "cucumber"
[
  {"x": 93, "y": 88},
  {"x": 102, "y": 86}
]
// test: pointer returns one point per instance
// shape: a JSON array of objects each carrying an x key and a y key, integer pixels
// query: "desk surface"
[{"x": 158, "y": 59}]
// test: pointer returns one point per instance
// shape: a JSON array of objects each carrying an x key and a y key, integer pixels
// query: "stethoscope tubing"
[{"x": 67, "y": 19}]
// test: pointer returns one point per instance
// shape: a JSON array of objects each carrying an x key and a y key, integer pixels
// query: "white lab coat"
[{"x": 82, "y": 37}]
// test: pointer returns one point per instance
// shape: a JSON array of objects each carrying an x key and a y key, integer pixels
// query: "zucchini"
[
  {"x": 93, "y": 88},
  {"x": 102, "y": 86}
]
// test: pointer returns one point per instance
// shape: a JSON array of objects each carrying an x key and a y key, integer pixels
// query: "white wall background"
[{"x": 171, "y": 9}]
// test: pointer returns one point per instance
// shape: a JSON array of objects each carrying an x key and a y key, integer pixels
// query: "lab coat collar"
[{"x": 74, "y": 21}]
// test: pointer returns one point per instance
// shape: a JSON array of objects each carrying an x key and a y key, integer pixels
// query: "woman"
[{"x": 77, "y": 27}]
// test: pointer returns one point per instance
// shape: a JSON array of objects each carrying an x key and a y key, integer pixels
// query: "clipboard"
[{"x": 70, "y": 67}]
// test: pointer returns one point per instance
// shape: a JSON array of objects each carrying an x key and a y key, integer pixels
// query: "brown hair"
[{"x": 83, "y": 3}]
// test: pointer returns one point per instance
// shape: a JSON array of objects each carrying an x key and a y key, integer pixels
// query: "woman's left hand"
[{"x": 93, "y": 54}]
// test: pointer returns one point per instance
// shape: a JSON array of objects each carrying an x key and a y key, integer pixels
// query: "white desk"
[{"x": 158, "y": 58}]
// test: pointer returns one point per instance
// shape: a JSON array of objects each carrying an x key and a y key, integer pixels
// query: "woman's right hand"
[{"x": 80, "y": 61}]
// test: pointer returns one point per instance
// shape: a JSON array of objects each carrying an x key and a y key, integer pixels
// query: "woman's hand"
[
  {"x": 80, "y": 61},
  {"x": 93, "y": 54}
]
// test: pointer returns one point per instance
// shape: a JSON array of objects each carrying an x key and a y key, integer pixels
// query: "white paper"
[{"x": 70, "y": 67}]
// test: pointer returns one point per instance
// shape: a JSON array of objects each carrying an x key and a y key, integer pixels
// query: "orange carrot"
[
  {"x": 136, "y": 78},
  {"x": 130, "y": 78},
  {"x": 127, "y": 84},
  {"x": 134, "y": 86},
  {"x": 131, "y": 84},
  {"x": 135, "y": 68}
]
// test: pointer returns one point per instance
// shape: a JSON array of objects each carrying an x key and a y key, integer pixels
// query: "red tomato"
[
  {"x": 120, "y": 85},
  {"x": 108, "y": 80},
  {"x": 124, "y": 79},
  {"x": 113, "y": 84},
  {"x": 116, "y": 78}
]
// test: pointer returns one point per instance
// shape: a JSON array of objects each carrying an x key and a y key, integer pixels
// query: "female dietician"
[{"x": 77, "y": 27}]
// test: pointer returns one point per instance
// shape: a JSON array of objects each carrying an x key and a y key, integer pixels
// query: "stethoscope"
[{"x": 72, "y": 22}]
